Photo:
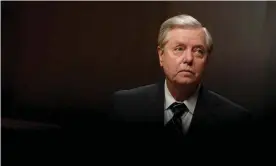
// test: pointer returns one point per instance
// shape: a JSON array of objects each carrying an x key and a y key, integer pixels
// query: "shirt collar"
[{"x": 190, "y": 102}]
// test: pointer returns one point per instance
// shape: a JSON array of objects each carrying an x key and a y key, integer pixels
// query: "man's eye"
[
  {"x": 199, "y": 51},
  {"x": 179, "y": 49}
]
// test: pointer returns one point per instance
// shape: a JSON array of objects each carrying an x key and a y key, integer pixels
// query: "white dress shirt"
[{"x": 187, "y": 116}]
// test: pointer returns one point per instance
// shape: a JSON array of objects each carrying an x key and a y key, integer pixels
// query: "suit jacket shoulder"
[
  {"x": 138, "y": 104},
  {"x": 219, "y": 107},
  {"x": 225, "y": 101},
  {"x": 217, "y": 115},
  {"x": 136, "y": 92}
]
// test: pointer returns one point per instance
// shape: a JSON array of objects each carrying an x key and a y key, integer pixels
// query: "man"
[{"x": 180, "y": 107}]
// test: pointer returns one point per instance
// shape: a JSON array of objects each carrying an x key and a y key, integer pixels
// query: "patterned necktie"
[{"x": 174, "y": 126}]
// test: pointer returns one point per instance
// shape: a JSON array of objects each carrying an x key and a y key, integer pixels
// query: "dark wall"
[{"x": 69, "y": 55}]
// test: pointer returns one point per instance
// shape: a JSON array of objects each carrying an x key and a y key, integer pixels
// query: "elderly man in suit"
[{"x": 179, "y": 106}]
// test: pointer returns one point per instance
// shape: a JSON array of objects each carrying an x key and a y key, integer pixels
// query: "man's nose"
[{"x": 188, "y": 56}]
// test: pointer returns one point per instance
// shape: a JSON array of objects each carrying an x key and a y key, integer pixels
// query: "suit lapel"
[{"x": 203, "y": 116}]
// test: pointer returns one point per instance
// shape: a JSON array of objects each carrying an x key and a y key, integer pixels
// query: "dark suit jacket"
[{"x": 138, "y": 114}]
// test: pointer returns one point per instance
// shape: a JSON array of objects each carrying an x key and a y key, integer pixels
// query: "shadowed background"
[{"x": 59, "y": 59}]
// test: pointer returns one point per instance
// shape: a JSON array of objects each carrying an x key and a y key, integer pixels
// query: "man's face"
[{"x": 184, "y": 55}]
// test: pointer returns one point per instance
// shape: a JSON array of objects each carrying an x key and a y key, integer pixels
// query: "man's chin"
[{"x": 185, "y": 81}]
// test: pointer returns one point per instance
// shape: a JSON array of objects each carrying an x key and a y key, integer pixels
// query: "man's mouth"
[{"x": 187, "y": 71}]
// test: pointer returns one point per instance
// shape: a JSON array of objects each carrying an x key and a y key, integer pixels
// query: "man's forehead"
[{"x": 183, "y": 35}]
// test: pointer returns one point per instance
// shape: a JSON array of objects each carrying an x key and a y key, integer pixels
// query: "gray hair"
[{"x": 183, "y": 21}]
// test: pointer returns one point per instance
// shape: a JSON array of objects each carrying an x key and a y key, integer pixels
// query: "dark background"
[{"x": 61, "y": 58}]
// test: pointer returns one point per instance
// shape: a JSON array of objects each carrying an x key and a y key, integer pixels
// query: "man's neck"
[{"x": 181, "y": 92}]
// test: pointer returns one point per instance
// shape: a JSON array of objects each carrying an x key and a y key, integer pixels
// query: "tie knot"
[{"x": 178, "y": 109}]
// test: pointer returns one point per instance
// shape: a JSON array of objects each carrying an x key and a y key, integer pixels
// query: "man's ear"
[{"x": 160, "y": 55}]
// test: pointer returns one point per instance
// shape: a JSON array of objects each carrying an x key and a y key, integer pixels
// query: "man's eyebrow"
[
  {"x": 199, "y": 45},
  {"x": 179, "y": 43}
]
